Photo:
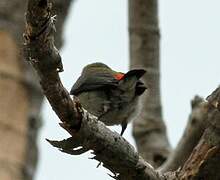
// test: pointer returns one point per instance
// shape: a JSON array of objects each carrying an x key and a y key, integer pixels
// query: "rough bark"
[
  {"x": 204, "y": 161},
  {"x": 27, "y": 86},
  {"x": 148, "y": 128},
  {"x": 194, "y": 130},
  {"x": 87, "y": 133},
  {"x": 14, "y": 105}
]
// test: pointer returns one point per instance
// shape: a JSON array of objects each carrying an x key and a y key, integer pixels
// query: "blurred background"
[{"x": 98, "y": 31}]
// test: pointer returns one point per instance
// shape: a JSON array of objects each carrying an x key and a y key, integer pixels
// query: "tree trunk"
[
  {"x": 20, "y": 93},
  {"x": 14, "y": 107},
  {"x": 148, "y": 129}
]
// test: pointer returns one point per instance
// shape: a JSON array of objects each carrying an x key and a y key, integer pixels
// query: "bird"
[{"x": 111, "y": 96}]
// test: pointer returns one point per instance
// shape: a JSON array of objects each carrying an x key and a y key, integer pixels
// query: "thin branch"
[{"x": 108, "y": 147}]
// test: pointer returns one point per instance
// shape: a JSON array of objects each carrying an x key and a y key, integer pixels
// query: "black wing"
[
  {"x": 93, "y": 82},
  {"x": 135, "y": 72}
]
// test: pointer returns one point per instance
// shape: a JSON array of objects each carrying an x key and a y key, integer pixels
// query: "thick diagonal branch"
[
  {"x": 109, "y": 148},
  {"x": 112, "y": 150}
]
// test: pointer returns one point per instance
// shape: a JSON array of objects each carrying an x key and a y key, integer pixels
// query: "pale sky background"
[{"x": 96, "y": 30}]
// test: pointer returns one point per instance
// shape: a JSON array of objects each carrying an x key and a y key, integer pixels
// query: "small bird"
[{"x": 109, "y": 95}]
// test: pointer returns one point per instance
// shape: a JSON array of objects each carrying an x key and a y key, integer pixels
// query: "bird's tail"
[
  {"x": 138, "y": 73},
  {"x": 131, "y": 80}
]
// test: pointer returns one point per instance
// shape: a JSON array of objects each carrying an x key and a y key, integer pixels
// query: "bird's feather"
[
  {"x": 93, "y": 82},
  {"x": 135, "y": 72}
]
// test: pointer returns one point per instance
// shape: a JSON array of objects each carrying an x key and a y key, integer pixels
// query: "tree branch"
[
  {"x": 204, "y": 161},
  {"x": 14, "y": 26},
  {"x": 111, "y": 149},
  {"x": 87, "y": 133},
  {"x": 194, "y": 130}
]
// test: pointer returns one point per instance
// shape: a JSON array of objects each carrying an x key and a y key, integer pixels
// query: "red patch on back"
[{"x": 119, "y": 76}]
